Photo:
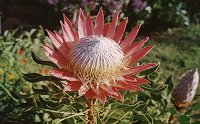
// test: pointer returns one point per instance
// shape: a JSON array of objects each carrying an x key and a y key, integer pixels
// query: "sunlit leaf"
[
  {"x": 37, "y": 119},
  {"x": 57, "y": 121}
]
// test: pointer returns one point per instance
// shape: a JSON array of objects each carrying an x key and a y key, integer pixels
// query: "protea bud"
[{"x": 185, "y": 90}]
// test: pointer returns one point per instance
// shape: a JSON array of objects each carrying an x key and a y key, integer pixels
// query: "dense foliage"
[
  {"x": 155, "y": 15},
  {"x": 38, "y": 100}
]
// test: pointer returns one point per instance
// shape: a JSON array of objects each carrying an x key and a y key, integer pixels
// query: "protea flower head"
[
  {"x": 186, "y": 88},
  {"x": 95, "y": 60}
]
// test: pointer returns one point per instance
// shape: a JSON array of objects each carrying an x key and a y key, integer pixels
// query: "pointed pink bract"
[
  {"x": 127, "y": 86},
  {"x": 70, "y": 30},
  {"x": 63, "y": 74},
  {"x": 117, "y": 95},
  {"x": 83, "y": 89},
  {"x": 66, "y": 36},
  {"x": 100, "y": 94},
  {"x": 137, "y": 56},
  {"x": 89, "y": 25},
  {"x": 58, "y": 44},
  {"x": 111, "y": 30},
  {"x": 55, "y": 57},
  {"x": 61, "y": 39},
  {"x": 137, "y": 69},
  {"x": 99, "y": 23},
  {"x": 109, "y": 89},
  {"x": 72, "y": 86},
  {"x": 120, "y": 31},
  {"x": 90, "y": 94},
  {"x": 64, "y": 31},
  {"x": 81, "y": 25},
  {"x": 141, "y": 81},
  {"x": 135, "y": 47},
  {"x": 106, "y": 28},
  {"x": 130, "y": 37}
]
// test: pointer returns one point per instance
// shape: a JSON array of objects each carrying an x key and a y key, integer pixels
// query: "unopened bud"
[{"x": 186, "y": 88}]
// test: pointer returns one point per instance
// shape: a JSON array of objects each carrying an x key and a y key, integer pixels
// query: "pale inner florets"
[{"x": 96, "y": 59}]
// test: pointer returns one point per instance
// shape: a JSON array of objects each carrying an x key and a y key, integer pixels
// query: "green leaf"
[
  {"x": 42, "y": 62},
  {"x": 196, "y": 106},
  {"x": 46, "y": 117},
  {"x": 142, "y": 106},
  {"x": 99, "y": 120},
  {"x": 149, "y": 71},
  {"x": 43, "y": 91},
  {"x": 62, "y": 108},
  {"x": 8, "y": 92},
  {"x": 170, "y": 84},
  {"x": 57, "y": 121},
  {"x": 81, "y": 99},
  {"x": 153, "y": 76},
  {"x": 160, "y": 89},
  {"x": 195, "y": 116},
  {"x": 15, "y": 95},
  {"x": 156, "y": 97},
  {"x": 48, "y": 103},
  {"x": 144, "y": 118},
  {"x": 42, "y": 102},
  {"x": 172, "y": 110},
  {"x": 37, "y": 119},
  {"x": 107, "y": 110},
  {"x": 19, "y": 96},
  {"x": 126, "y": 108},
  {"x": 196, "y": 122},
  {"x": 35, "y": 77},
  {"x": 155, "y": 89},
  {"x": 183, "y": 119}
]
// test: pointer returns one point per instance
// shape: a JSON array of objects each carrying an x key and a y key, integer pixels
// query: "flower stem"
[{"x": 90, "y": 112}]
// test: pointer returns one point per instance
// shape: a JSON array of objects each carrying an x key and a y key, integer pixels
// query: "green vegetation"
[{"x": 177, "y": 50}]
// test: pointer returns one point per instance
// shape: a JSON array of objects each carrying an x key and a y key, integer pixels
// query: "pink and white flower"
[{"x": 95, "y": 60}]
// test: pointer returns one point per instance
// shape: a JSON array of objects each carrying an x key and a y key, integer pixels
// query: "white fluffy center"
[{"x": 96, "y": 59}]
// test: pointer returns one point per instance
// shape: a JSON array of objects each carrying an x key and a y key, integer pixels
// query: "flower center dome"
[{"x": 96, "y": 59}]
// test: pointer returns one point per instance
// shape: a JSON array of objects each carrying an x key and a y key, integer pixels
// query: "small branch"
[{"x": 90, "y": 112}]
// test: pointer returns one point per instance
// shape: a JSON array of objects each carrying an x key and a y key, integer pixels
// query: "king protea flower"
[
  {"x": 95, "y": 60},
  {"x": 185, "y": 91}
]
